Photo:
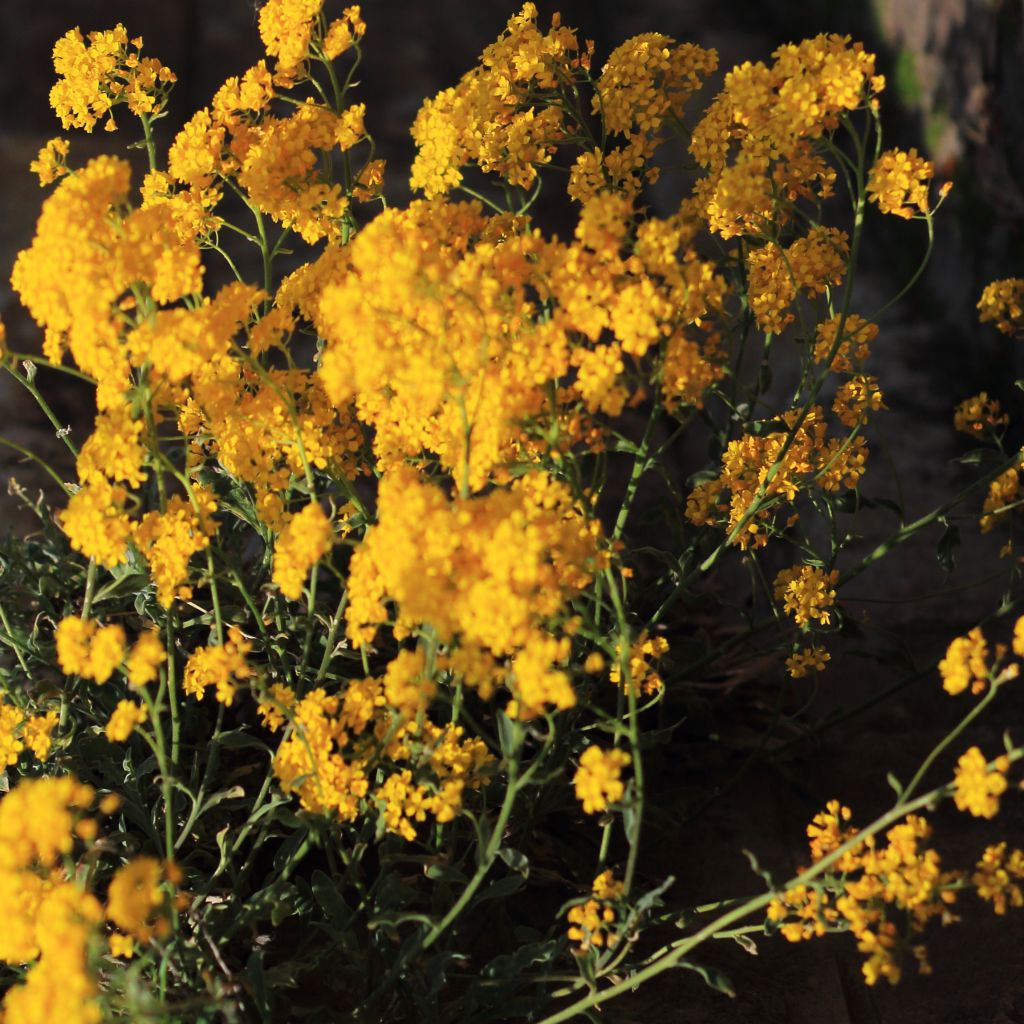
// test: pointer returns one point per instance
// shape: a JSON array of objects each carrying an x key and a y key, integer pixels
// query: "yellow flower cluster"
[
  {"x": 965, "y": 664},
  {"x": 123, "y": 720},
  {"x": 851, "y": 352},
  {"x": 291, "y": 30},
  {"x": 769, "y": 465},
  {"x": 137, "y": 900},
  {"x": 757, "y": 137},
  {"x": 222, "y": 666},
  {"x": 591, "y": 922},
  {"x": 977, "y": 789},
  {"x": 997, "y": 877},
  {"x": 19, "y": 730},
  {"x": 144, "y": 659},
  {"x": 777, "y": 275},
  {"x": 644, "y": 652},
  {"x": 89, "y": 650},
  {"x": 300, "y": 545},
  {"x": 979, "y": 415},
  {"x": 96, "y": 74},
  {"x": 169, "y": 539},
  {"x": 49, "y": 920},
  {"x": 335, "y": 741},
  {"x": 898, "y": 182},
  {"x": 807, "y": 660},
  {"x": 1004, "y": 492},
  {"x": 904, "y": 877},
  {"x": 598, "y": 780},
  {"x": 807, "y": 592},
  {"x": 50, "y": 164},
  {"x": 492, "y": 117},
  {"x": 1002, "y": 303},
  {"x": 488, "y": 573}
]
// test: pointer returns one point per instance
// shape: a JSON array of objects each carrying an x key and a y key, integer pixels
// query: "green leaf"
[
  {"x": 949, "y": 542},
  {"x": 325, "y": 891},
  {"x": 257, "y": 984},
  {"x": 713, "y": 977},
  {"x": 440, "y": 872},
  {"x": 516, "y": 860},
  {"x": 501, "y": 888}
]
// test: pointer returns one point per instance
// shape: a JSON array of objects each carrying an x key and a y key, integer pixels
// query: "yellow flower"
[
  {"x": 979, "y": 415},
  {"x": 222, "y": 666},
  {"x": 1002, "y": 303},
  {"x": 965, "y": 664},
  {"x": 898, "y": 182},
  {"x": 135, "y": 897},
  {"x": 168, "y": 540},
  {"x": 806, "y": 660},
  {"x": 50, "y": 164},
  {"x": 145, "y": 658},
  {"x": 11, "y": 745},
  {"x": 598, "y": 779},
  {"x": 591, "y": 921},
  {"x": 998, "y": 876},
  {"x": 807, "y": 592},
  {"x": 123, "y": 720},
  {"x": 37, "y": 733},
  {"x": 978, "y": 789},
  {"x": 301, "y": 544},
  {"x": 122, "y": 945},
  {"x": 280, "y": 699},
  {"x": 88, "y": 650}
]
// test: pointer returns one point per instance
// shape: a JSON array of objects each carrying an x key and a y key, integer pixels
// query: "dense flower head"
[
  {"x": 135, "y": 898},
  {"x": 222, "y": 666},
  {"x": 806, "y": 660},
  {"x": 60, "y": 984},
  {"x": 302, "y": 543},
  {"x": 486, "y": 572},
  {"x": 998, "y": 876},
  {"x": 286, "y": 27},
  {"x": 492, "y": 118},
  {"x": 979, "y": 415},
  {"x": 598, "y": 780},
  {"x": 807, "y": 592},
  {"x": 38, "y": 821},
  {"x": 144, "y": 659},
  {"x": 95, "y": 522},
  {"x": 965, "y": 664},
  {"x": 50, "y": 164},
  {"x": 123, "y": 720},
  {"x": 281, "y": 168},
  {"x": 898, "y": 182},
  {"x": 755, "y": 137},
  {"x": 1002, "y": 303},
  {"x": 591, "y": 922},
  {"x": 169, "y": 539},
  {"x": 645, "y": 79},
  {"x": 434, "y": 336},
  {"x": 101, "y": 70},
  {"x": 87, "y": 649},
  {"x": 978, "y": 788}
]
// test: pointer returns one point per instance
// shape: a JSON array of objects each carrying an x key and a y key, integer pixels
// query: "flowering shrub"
[{"x": 348, "y": 591}]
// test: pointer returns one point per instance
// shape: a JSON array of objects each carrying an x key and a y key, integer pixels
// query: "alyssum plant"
[{"x": 336, "y": 615}]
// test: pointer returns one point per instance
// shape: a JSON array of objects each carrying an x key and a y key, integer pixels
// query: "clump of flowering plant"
[{"x": 345, "y": 592}]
